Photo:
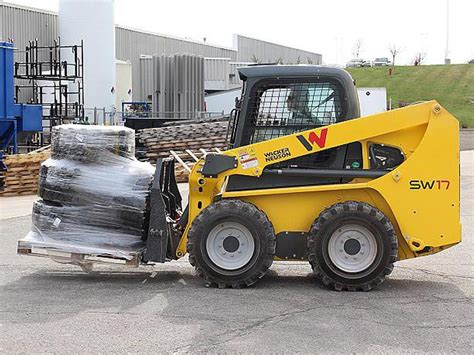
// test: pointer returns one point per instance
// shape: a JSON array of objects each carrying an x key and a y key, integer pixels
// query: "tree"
[
  {"x": 357, "y": 48},
  {"x": 279, "y": 60},
  {"x": 299, "y": 60},
  {"x": 309, "y": 60},
  {"x": 419, "y": 58},
  {"x": 394, "y": 51},
  {"x": 254, "y": 59}
]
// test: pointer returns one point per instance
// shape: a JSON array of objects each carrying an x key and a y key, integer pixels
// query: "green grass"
[{"x": 451, "y": 85}]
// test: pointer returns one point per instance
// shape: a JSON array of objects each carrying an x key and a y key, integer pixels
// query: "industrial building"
[
  {"x": 78, "y": 66},
  {"x": 22, "y": 24}
]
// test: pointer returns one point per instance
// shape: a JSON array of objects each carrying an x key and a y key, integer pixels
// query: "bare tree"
[
  {"x": 394, "y": 51},
  {"x": 254, "y": 59},
  {"x": 357, "y": 48},
  {"x": 419, "y": 58},
  {"x": 309, "y": 60},
  {"x": 279, "y": 60}
]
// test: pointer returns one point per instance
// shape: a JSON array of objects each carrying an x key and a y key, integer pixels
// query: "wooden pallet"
[{"x": 84, "y": 260}]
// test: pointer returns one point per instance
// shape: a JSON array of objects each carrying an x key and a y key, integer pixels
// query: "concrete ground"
[
  {"x": 16, "y": 206},
  {"x": 466, "y": 139},
  {"x": 424, "y": 306}
]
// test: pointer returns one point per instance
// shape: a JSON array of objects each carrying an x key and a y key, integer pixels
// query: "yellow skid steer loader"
[{"x": 306, "y": 178}]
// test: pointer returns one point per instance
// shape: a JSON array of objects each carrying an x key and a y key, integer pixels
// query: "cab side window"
[{"x": 280, "y": 109}]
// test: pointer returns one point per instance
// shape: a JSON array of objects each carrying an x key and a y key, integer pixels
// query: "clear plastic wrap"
[
  {"x": 95, "y": 194},
  {"x": 114, "y": 181},
  {"x": 89, "y": 143}
]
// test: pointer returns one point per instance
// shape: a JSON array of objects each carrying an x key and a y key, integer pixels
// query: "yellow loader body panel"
[{"x": 420, "y": 196}]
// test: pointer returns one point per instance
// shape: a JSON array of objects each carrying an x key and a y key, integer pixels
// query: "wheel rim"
[
  {"x": 352, "y": 248},
  {"x": 230, "y": 245}
]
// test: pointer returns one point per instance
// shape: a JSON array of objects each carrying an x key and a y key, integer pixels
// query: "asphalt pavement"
[{"x": 424, "y": 306}]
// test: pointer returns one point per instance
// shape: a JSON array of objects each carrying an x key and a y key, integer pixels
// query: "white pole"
[{"x": 446, "y": 53}]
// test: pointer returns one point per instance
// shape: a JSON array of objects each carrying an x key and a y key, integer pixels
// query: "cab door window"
[{"x": 280, "y": 110}]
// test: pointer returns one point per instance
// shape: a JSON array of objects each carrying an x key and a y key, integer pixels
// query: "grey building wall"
[
  {"x": 251, "y": 48},
  {"x": 216, "y": 76},
  {"x": 22, "y": 24},
  {"x": 220, "y": 74},
  {"x": 130, "y": 44}
]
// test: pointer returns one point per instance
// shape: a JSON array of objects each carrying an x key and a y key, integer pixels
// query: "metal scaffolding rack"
[{"x": 62, "y": 68}]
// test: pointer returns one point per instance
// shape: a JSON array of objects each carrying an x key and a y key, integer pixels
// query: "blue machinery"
[
  {"x": 14, "y": 118},
  {"x": 133, "y": 109}
]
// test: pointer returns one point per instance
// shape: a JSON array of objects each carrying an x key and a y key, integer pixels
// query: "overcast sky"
[{"x": 327, "y": 27}]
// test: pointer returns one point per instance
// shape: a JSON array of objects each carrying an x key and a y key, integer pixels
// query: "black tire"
[
  {"x": 56, "y": 223},
  {"x": 92, "y": 143},
  {"x": 84, "y": 184},
  {"x": 45, "y": 213},
  {"x": 260, "y": 228},
  {"x": 324, "y": 228}
]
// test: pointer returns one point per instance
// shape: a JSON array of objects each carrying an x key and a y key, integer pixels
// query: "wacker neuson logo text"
[{"x": 277, "y": 154}]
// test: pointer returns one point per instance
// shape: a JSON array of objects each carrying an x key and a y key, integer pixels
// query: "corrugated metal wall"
[
  {"x": 130, "y": 44},
  {"x": 21, "y": 25},
  {"x": 216, "y": 73},
  {"x": 24, "y": 24},
  {"x": 249, "y": 48},
  {"x": 219, "y": 74},
  {"x": 178, "y": 85},
  {"x": 146, "y": 79}
]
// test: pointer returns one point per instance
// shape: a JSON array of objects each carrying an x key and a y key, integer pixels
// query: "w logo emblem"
[{"x": 313, "y": 139}]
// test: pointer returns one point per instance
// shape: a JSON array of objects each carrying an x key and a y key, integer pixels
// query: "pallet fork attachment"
[{"x": 165, "y": 208}]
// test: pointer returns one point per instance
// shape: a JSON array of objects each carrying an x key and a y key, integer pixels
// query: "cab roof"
[{"x": 299, "y": 70}]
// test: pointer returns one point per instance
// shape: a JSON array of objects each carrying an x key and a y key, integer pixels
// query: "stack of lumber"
[
  {"x": 21, "y": 176},
  {"x": 187, "y": 143},
  {"x": 197, "y": 120},
  {"x": 158, "y": 142},
  {"x": 162, "y": 150}
]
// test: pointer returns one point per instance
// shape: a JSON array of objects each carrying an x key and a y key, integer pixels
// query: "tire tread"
[
  {"x": 321, "y": 222},
  {"x": 207, "y": 215}
]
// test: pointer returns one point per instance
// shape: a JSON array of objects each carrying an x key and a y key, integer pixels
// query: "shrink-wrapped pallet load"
[{"x": 94, "y": 193}]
